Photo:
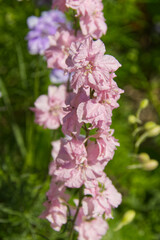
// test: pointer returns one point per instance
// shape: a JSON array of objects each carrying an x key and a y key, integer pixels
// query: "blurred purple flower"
[
  {"x": 43, "y": 26},
  {"x": 58, "y": 76}
]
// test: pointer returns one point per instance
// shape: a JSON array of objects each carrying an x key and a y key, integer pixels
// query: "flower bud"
[
  {"x": 150, "y": 165},
  {"x": 128, "y": 217},
  {"x": 154, "y": 131},
  {"x": 144, "y": 103},
  {"x": 149, "y": 125},
  {"x": 132, "y": 119},
  {"x": 143, "y": 157}
]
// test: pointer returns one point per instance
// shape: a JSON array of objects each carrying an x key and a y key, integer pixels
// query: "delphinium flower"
[
  {"x": 43, "y": 26},
  {"x": 58, "y": 51},
  {"x": 92, "y": 68},
  {"x": 82, "y": 158},
  {"x": 92, "y": 21},
  {"x": 49, "y": 108},
  {"x": 90, "y": 229},
  {"x": 85, "y": 112},
  {"x": 56, "y": 210}
]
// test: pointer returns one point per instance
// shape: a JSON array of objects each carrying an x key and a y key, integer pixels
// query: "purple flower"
[
  {"x": 58, "y": 76},
  {"x": 43, "y": 26}
]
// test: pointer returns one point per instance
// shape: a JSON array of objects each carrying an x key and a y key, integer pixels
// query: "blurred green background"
[{"x": 133, "y": 37}]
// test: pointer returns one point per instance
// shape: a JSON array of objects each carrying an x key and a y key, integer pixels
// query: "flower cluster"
[
  {"x": 83, "y": 106},
  {"x": 89, "y": 146},
  {"x": 90, "y": 15}
]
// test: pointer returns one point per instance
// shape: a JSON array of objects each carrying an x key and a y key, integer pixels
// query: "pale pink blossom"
[
  {"x": 55, "y": 213},
  {"x": 110, "y": 96},
  {"x": 75, "y": 165},
  {"x": 56, "y": 209},
  {"x": 92, "y": 68},
  {"x": 49, "y": 108},
  {"x": 94, "y": 113},
  {"x": 104, "y": 197},
  {"x": 89, "y": 228},
  {"x": 92, "y": 21},
  {"x": 75, "y": 4},
  {"x": 71, "y": 125},
  {"x": 106, "y": 144},
  {"x": 58, "y": 51}
]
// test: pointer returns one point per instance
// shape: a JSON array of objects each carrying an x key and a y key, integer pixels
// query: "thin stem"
[
  {"x": 77, "y": 211},
  {"x": 68, "y": 83}
]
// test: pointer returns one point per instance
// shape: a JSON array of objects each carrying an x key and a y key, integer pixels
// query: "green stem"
[{"x": 77, "y": 211}]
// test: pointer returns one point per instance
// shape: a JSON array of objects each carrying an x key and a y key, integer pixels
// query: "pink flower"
[
  {"x": 58, "y": 51},
  {"x": 49, "y": 109},
  {"x": 56, "y": 210},
  {"x": 75, "y": 4},
  {"x": 56, "y": 213},
  {"x": 75, "y": 166},
  {"x": 92, "y": 21},
  {"x": 110, "y": 96},
  {"x": 92, "y": 68},
  {"x": 94, "y": 113},
  {"x": 89, "y": 228},
  {"x": 104, "y": 197},
  {"x": 106, "y": 144},
  {"x": 71, "y": 125}
]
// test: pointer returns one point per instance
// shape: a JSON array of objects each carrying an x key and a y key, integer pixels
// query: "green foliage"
[{"x": 133, "y": 38}]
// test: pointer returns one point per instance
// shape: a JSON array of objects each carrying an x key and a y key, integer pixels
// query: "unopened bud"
[
  {"x": 150, "y": 165},
  {"x": 154, "y": 131},
  {"x": 144, "y": 103},
  {"x": 143, "y": 157},
  {"x": 132, "y": 119},
  {"x": 149, "y": 125},
  {"x": 127, "y": 218}
]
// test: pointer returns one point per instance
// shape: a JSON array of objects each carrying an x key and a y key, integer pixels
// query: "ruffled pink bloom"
[
  {"x": 49, "y": 108},
  {"x": 58, "y": 51},
  {"x": 71, "y": 125},
  {"x": 56, "y": 213},
  {"x": 92, "y": 21},
  {"x": 106, "y": 145},
  {"x": 94, "y": 113},
  {"x": 104, "y": 197},
  {"x": 75, "y": 165},
  {"x": 56, "y": 210},
  {"x": 75, "y": 4},
  {"x": 90, "y": 229},
  {"x": 92, "y": 68},
  {"x": 110, "y": 96}
]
